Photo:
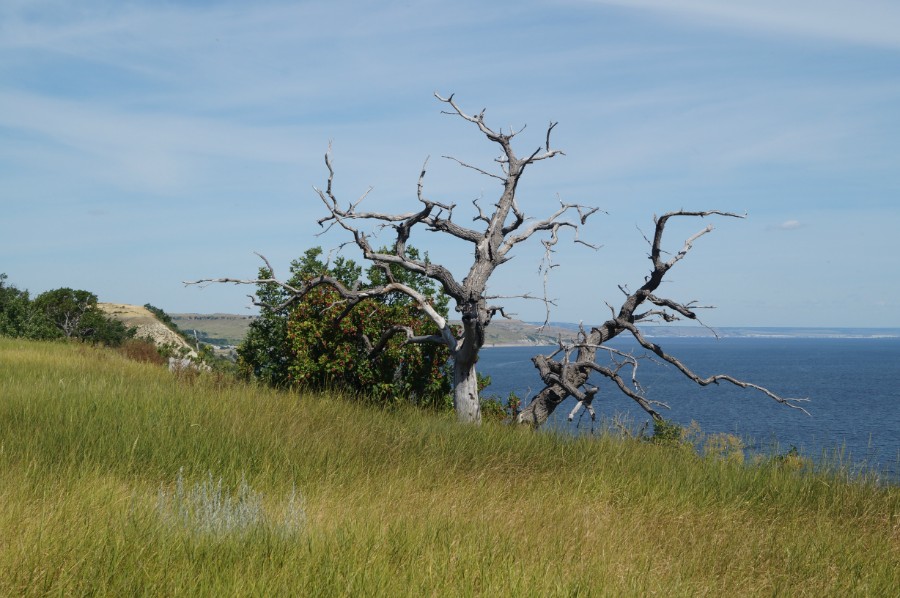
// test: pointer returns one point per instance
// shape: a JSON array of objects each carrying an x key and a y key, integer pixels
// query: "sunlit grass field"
[{"x": 119, "y": 478}]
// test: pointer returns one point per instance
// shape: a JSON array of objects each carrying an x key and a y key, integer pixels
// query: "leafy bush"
[
  {"x": 325, "y": 352},
  {"x": 667, "y": 432},
  {"x": 312, "y": 343},
  {"x": 493, "y": 408},
  {"x": 15, "y": 307},
  {"x": 100, "y": 329}
]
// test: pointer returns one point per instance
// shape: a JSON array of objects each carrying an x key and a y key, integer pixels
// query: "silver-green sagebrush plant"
[{"x": 208, "y": 508}]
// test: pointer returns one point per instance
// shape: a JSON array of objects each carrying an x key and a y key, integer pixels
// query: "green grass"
[{"x": 118, "y": 478}]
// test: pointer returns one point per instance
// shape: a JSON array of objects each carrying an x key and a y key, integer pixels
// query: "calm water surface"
[{"x": 853, "y": 386}]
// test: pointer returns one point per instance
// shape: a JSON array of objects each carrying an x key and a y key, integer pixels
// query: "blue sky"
[{"x": 147, "y": 143}]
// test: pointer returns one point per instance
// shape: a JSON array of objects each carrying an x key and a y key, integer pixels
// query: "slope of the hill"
[
  {"x": 121, "y": 479},
  {"x": 503, "y": 332},
  {"x": 147, "y": 324}
]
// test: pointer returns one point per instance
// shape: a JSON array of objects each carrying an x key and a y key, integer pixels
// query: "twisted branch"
[{"x": 565, "y": 377}]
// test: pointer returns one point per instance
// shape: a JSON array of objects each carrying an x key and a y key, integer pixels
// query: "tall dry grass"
[{"x": 116, "y": 478}]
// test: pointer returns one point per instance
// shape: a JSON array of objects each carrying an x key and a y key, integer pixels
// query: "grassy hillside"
[{"x": 118, "y": 478}]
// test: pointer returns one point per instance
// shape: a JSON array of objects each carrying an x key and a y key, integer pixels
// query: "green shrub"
[
  {"x": 667, "y": 432},
  {"x": 495, "y": 409},
  {"x": 313, "y": 343},
  {"x": 60, "y": 313}
]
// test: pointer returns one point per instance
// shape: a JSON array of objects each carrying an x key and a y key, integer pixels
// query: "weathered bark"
[
  {"x": 558, "y": 379},
  {"x": 538, "y": 411},
  {"x": 465, "y": 392}
]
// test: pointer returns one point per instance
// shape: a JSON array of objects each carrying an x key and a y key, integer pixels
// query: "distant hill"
[
  {"x": 230, "y": 329},
  {"x": 753, "y": 331},
  {"x": 215, "y": 329},
  {"x": 504, "y": 332}
]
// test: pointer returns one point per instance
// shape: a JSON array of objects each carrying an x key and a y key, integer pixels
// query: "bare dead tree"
[
  {"x": 566, "y": 371},
  {"x": 496, "y": 235},
  {"x": 499, "y": 232}
]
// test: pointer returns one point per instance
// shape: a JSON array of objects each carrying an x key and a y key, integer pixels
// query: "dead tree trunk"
[{"x": 465, "y": 389}]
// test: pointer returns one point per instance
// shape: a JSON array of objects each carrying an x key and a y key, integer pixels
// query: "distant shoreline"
[
  {"x": 504, "y": 345},
  {"x": 798, "y": 334},
  {"x": 759, "y": 331},
  {"x": 229, "y": 329}
]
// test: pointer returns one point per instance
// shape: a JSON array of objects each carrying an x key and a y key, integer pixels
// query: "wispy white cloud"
[
  {"x": 139, "y": 148},
  {"x": 790, "y": 225},
  {"x": 871, "y": 22}
]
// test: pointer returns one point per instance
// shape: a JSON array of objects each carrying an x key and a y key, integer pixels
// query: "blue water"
[{"x": 853, "y": 386}]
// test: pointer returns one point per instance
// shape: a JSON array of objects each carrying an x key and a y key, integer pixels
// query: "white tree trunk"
[{"x": 465, "y": 393}]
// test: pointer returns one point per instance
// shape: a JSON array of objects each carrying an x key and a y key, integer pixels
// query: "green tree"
[
  {"x": 320, "y": 340},
  {"x": 14, "y": 309},
  {"x": 73, "y": 313},
  {"x": 60, "y": 313},
  {"x": 19, "y": 317},
  {"x": 98, "y": 328},
  {"x": 266, "y": 352},
  {"x": 65, "y": 308}
]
